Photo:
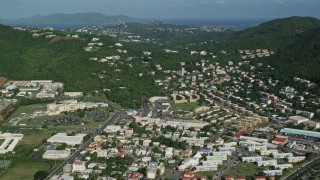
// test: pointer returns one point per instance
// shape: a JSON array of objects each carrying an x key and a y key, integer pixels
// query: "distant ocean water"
[
  {"x": 241, "y": 23},
  {"x": 217, "y": 22}
]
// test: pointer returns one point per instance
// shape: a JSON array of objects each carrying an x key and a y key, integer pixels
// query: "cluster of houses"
[
  {"x": 94, "y": 45},
  {"x": 251, "y": 54},
  {"x": 39, "y": 89}
]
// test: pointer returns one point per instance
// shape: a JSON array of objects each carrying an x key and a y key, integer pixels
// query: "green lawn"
[
  {"x": 242, "y": 170},
  {"x": 185, "y": 106},
  {"x": 25, "y": 169},
  {"x": 207, "y": 173},
  {"x": 28, "y": 110}
]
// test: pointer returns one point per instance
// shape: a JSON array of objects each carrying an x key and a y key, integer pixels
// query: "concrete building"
[
  {"x": 212, "y": 158},
  {"x": 64, "y": 138},
  {"x": 226, "y": 148},
  {"x": 257, "y": 148},
  {"x": 221, "y": 153},
  {"x": 282, "y": 155},
  {"x": 10, "y": 142},
  {"x": 268, "y": 152},
  {"x": 152, "y": 172},
  {"x": 188, "y": 163},
  {"x": 73, "y": 94},
  {"x": 212, "y": 162},
  {"x": 271, "y": 162},
  {"x": 78, "y": 166},
  {"x": 207, "y": 168},
  {"x": 193, "y": 141},
  {"x": 296, "y": 159},
  {"x": 300, "y": 132},
  {"x": 56, "y": 154},
  {"x": 298, "y": 119},
  {"x": 283, "y": 166},
  {"x": 251, "y": 159},
  {"x": 64, "y": 106},
  {"x": 273, "y": 172},
  {"x": 112, "y": 129}
]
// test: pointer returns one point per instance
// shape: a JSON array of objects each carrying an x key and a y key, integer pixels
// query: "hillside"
[
  {"x": 301, "y": 58},
  {"x": 23, "y": 57},
  {"x": 296, "y": 41},
  {"x": 274, "y": 34},
  {"x": 78, "y": 18}
]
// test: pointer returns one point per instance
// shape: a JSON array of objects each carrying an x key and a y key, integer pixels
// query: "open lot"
[
  {"x": 242, "y": 170},
  {"x": 28, "y": 109},
  {"x": 25, "y": 170},
  {"x": 185, "y": 106}
]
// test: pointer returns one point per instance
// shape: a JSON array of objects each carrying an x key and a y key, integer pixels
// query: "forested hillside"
[
  {"x": 301, "y": 58},
  {"x": 296, "y": 42}
]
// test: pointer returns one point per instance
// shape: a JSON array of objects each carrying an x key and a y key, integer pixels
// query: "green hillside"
[
  {"x": 301, "y": 58},
  {"x": 23, "y": 57},
  {"x": 296, "y": 41},
  {"x": 274, "y": 34}
]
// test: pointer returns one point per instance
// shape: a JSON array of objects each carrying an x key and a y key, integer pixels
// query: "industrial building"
[
  {"x": 64, "y": 138},
  {"x": 56, "y": 154},
  {"x": 300, "y": 132}
]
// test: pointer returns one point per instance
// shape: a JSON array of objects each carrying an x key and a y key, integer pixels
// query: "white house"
[{"x": 78, "y": 166}]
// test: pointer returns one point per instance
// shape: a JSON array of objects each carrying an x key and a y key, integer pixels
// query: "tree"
[{"x": 40, "y": 175}]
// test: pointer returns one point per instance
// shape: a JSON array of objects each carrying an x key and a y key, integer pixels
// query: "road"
[
  {"x": 303, "y": 169},
  {"x": 71, "y": 158}
]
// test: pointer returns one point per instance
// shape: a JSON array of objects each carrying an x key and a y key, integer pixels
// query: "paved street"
[{"x": 114, "y": 118}]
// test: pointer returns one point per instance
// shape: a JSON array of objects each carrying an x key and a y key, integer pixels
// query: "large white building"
[
  {"x": 10, "y": 142},
  {"x": 282, "y": 155},
  {"x": 64, "y": 106},
  {"x": 296, "y": 159},
  {"x": 298, "y": 119},
  {"x": 257, "y": 148},
  {"x": 73, "y": 94},
  {"x": 212, "y": 158},
  {"x": 268, "y": 152},
  {"x": 273, "y": 172},
  {"x": 283, "y": 166},
  {"x": 56, "y": 154},
  {"x": 112, "y": 128},
  {"x": 251, "y": 159},
  {"x": 64, "y": 138},
  {"x": 221, "y": 153},
  {"x": 212, "y": 162},
  {"x": 188, "y": 163},
  {"x": 207, "y": 168},
  {"x": 271, "y": 162}
]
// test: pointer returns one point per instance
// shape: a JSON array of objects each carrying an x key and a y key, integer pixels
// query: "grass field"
[
  {"x": 207, "y": 173},
  {"x": 83, "y": 128},
  {"x": 28, "y": 110},
  {"x": 25, "y": 170},
  {"x": 30, "y": 142},
  {"x": 185, "y": 106},
  {"x": 242, "y": 169},
  {"x": 22, "y": 166}
]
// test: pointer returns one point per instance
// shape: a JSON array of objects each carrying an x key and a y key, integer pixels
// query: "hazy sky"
[{"x": 11, "y": 9}]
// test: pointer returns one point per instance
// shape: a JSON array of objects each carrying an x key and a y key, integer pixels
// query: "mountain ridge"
[{"x": 75, "y": 18}]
